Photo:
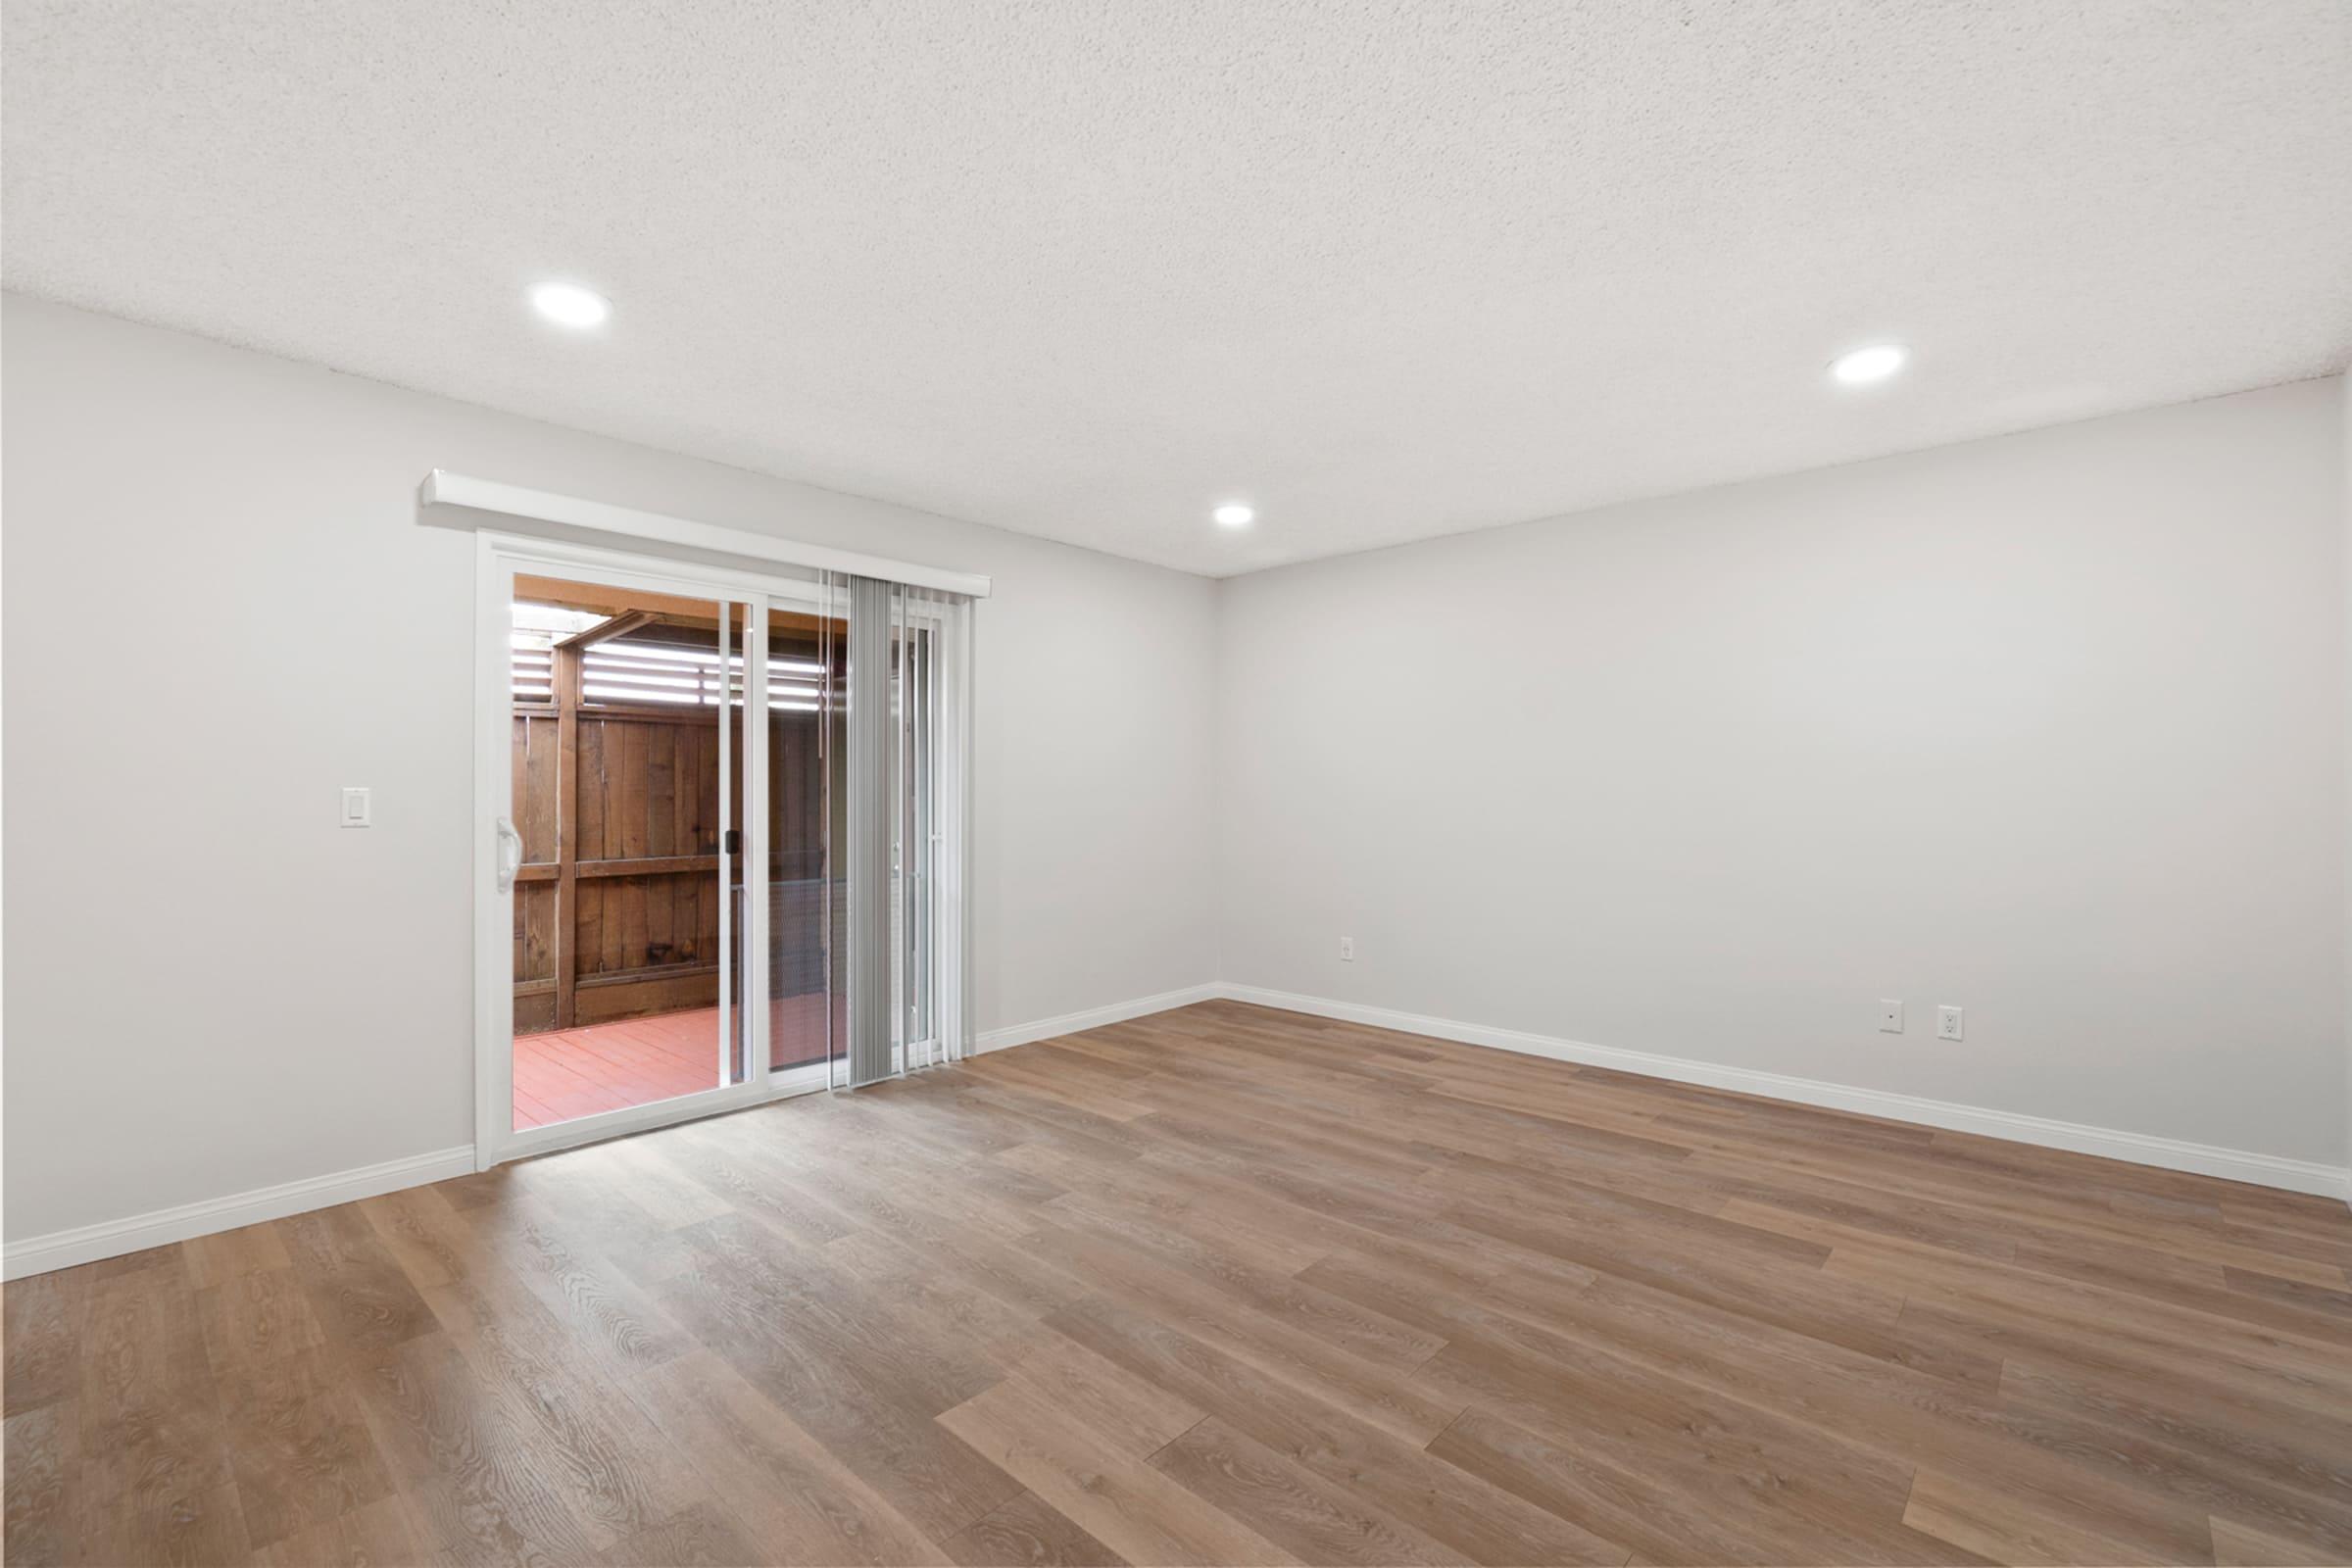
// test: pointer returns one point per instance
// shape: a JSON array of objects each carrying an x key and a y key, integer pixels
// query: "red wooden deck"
[
  {"x": 567, "y": 1073},
  {"x": 611, "y": 1067}
]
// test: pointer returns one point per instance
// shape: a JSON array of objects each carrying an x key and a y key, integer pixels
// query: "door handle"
[{"x": 510, "y": 853}]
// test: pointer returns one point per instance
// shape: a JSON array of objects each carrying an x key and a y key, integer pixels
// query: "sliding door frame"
[{"x": 498, "y": 555}]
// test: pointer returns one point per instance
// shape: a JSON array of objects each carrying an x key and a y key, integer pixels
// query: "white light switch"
[{"x": 357, "y": 810}]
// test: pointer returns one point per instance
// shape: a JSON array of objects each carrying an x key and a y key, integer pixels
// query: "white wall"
[
  {"x": 2049, "y": 726},
  {"x": 219, "y": 610}
]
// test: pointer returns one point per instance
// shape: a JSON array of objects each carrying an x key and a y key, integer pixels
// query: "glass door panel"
[
  {"x": 808, "y": 886},
  {"x": 628, "y": 764}
]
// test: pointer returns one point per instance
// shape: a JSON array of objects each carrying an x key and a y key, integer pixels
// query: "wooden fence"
[{"x": 618, "y": 799}]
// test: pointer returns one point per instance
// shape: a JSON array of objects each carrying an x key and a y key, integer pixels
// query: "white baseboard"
[
  {"x": 1070, "y": 1023},
  {"x": 114, "y": 1237},
  {"x": 2139, "y": 1148}
]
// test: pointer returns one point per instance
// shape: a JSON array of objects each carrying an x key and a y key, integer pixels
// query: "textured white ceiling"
[{"x": 1387, "y": 268}]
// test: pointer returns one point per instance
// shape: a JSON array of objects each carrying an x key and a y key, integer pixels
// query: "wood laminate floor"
[{"x": 1223, "y": 1285}]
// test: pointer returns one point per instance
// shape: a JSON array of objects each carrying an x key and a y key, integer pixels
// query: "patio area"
[{"x": 566, "y": 1073}]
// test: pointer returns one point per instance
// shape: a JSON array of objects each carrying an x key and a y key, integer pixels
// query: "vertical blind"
[{"x": 900, "y": 949}]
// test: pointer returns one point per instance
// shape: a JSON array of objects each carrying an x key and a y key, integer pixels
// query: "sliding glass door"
[
  {"x": 628, "y": 763},
  {"x": 706, "y": 788}
]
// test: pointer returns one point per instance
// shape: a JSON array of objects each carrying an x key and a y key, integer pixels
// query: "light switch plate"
[{"x": 359, "y": 809}]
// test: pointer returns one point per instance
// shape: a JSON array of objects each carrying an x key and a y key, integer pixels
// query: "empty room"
[{"x": 1256, "y": 781}]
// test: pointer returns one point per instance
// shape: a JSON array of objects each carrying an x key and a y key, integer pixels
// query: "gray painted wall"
[{"x": 2049, "y": 726}]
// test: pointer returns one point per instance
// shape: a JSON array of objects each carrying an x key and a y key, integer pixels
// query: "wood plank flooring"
[{"x": 1219, "y": 1286}]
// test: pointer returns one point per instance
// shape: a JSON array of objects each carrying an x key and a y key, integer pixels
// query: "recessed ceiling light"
[
  {"x": 1863, "y": 366},
  {"x": 1235, "y": 515},
  {"x": 570, "y": 305}
]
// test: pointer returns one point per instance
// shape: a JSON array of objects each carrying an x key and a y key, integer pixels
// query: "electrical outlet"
[
  {"x": 1347, "y": 950},
  {"x": 1948, "y": 1023},
  {"x": 1891, "y": 1015}
]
